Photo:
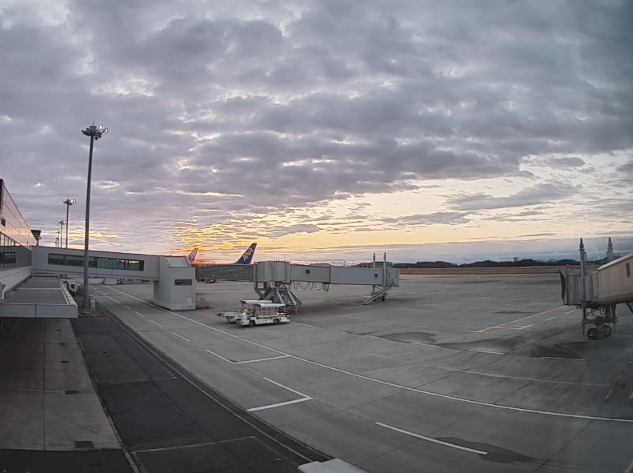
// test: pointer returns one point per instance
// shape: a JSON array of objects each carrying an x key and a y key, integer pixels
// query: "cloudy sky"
[{"x": 323, "y": 129}]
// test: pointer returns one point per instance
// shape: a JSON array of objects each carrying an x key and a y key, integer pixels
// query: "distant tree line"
[{"x": 516, "y": 263}]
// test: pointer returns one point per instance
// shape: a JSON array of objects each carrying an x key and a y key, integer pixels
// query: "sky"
[{"x": 323, "y": 129}]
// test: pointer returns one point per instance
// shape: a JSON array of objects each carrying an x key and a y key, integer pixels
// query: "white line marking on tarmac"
[
  {"x": 430, "y": 439},
  {"x": 570, "y": 311},
  {"x": 261, "y": 359},
  {"x": 279, "y": 404},
  {"x": 154, "y": 322},
  {"x": 285, "y": 387},
  {"x": 139, "y": 313},
  {"x": 490, "y": 352},
  {"x": 220, "y": 357},
  {"x": 561, "y": 358},
  {"x": 184, "y": 338},
  {"x": 127, "y": 307},
  {"x": 552, "y": 318},
  {"x": 117, "y": 301},
  {"x": 523, "y": 318},
  {"x": 193, "y": 445},
  {"x": 387, "y": 383}
]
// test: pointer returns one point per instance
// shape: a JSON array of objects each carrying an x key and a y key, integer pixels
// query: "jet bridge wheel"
[
  {"x": 251, "y": 323},
  {"x": 593, "y": 333},
  {"x": 605, "y": 331}
]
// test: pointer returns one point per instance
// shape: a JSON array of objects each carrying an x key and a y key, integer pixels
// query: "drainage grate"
[
  {"x": 84, "y": 444},
  {"x": 104, "y": 352},
  {"x": 71, "y": 391},
  {"x": 62, "y": 344},
  {"x": 64, "y": 361}
]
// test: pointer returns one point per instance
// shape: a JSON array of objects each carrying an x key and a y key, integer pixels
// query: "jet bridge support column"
[{"x": 279, "y": 293}]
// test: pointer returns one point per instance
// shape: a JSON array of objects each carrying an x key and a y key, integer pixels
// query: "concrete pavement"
[
  {"x": 454, "y": 373},
  {"x": 51, "y": 419}
]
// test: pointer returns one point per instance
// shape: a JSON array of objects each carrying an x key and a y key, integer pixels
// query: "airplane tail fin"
[
  {"x": 247, "y": 257},
  {"x": 191, "y": 257}
]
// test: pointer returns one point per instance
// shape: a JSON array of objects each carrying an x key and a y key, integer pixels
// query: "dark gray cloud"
[
  {"x": 569, "y": 161},
  {"x": 436, "y": 218},
  {"x": 626, "y": 169},
  {"x": 539, "y": 194},
  {"x": 219, "y": 112}
]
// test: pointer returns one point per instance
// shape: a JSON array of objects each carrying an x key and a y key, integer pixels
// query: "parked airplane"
[
  {"x": 191, "y": 257},
  {"x": 246, "y": 258}
]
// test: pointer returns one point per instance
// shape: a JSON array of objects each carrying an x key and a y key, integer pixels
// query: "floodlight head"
[
  {"x": 70, "y": 201},
  {"x": 100, "y": 131}
]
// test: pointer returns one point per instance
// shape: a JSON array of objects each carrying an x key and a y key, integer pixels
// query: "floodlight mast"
[
  {"x": 94, "y": 132},
  {"x": 61, "y": 233},
  {"x": 68, "y": 203}
]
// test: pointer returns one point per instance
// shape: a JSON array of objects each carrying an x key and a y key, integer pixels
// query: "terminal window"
[
  {"x": 8, "y": 259},
  {"x": 97, "y": 262},
  {"x": 8, "y": 252}
]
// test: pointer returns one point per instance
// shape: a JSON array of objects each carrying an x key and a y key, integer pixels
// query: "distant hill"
[{"x": 518, "y": 263}]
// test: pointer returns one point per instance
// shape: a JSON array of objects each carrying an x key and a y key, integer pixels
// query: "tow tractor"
[
  {"x": 263, "y": 313},
  {"x": 232, "y": 314}
]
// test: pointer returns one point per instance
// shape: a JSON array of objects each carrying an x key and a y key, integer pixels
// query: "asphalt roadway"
[
  {"x": 170, "y": 422},
  {"x": 461, "y": 373}
]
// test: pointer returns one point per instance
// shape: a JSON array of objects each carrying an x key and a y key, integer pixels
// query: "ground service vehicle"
[{"x": 263, "y": 313}]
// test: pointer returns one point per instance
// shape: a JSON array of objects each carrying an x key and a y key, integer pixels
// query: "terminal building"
[
  {"x": 31, "y": 282},
  {"x": 16, "y": 243}
]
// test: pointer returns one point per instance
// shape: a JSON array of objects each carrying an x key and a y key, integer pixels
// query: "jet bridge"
[
  {"x": 598, "y": 291},
  {"x": 274, "y": 280}
]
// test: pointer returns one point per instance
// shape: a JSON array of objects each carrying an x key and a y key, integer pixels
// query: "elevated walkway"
[
  {"x": 274, "y": 280},
  {"x": 173, "y": 278},
  {"x": 225, "y": 272},
  {"x": 102, "y": 264}
]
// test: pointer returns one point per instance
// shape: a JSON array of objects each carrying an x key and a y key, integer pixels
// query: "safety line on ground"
[
  {"x": 431, "y": 439},
  {"x": 285, "y": 387},
  {"x": 499, "y": 326},
  {"x": 261, "y": 359},
  {"x": 184, "y": 338},
  {"x": 194, "y": 445},
  {"x": 220, "y": 357},
  {"x": 279, "y": 404}
]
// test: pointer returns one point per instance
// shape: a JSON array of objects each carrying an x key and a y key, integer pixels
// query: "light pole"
[
  {"x": 94, "y": 133},
  {"x": 68, "y": 203},
  {"x": 61, "y": 233}
]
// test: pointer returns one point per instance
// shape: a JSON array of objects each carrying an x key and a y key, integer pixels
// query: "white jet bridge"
[
  {"x": 597, "y": 292},
  {"x": 273, "y": 280}
]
